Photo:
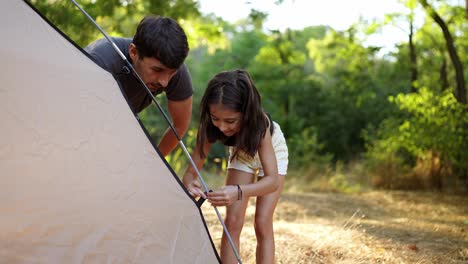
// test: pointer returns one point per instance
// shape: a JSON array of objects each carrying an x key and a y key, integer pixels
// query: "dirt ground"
[{"x": 372, "y": 227}]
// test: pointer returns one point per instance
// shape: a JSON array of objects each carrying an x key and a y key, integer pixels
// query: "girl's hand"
[
  {"x": 227, "y": 195},
  {"x": 194, "y": 188}
]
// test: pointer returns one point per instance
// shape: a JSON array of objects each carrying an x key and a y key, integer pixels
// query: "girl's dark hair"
[
  {"x": 236, "y": 91},
  {"x": 163, "y": 39}
]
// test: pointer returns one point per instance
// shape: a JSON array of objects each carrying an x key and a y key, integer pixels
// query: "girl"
[{"x": 231, "y": 112}]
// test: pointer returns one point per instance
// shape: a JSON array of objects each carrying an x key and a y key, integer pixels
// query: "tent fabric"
[{"x": 80, "y": 181}]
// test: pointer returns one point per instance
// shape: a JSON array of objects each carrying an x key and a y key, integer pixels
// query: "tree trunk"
[
  {"x": 460, "y": 93},
  {"x": 443, "y": 73},
  {"x": 466, "y": 8}
]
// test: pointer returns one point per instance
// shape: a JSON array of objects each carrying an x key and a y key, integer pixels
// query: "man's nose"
[{"x": 164, "y": 80}]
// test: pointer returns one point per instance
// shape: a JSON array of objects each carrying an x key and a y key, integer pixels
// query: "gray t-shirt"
[{"x": 179, "y": 87}]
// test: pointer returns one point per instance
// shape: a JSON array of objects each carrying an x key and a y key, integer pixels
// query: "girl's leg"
[
  {"x": 235, "y": 214},
  {"x": 264, "y": 225}
]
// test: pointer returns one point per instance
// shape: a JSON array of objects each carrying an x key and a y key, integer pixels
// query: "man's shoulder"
[
  {"x": 122, "y": 43},
  {"x": 180, "y": 87},
  {"x": 104, "y": 43},
  {"x": 104, "y": 54}
]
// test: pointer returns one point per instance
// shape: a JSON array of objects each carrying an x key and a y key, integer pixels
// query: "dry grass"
[{"x": 372, "y": 227}]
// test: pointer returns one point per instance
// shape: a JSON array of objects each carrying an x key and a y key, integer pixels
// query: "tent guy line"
[{"x": 181, "y": 143}]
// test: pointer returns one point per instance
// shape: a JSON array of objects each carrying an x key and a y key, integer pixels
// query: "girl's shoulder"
[{"x": 270, "y": 123}]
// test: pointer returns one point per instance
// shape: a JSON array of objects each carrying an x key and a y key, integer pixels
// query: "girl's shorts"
[{"x": 244, "y": 162}]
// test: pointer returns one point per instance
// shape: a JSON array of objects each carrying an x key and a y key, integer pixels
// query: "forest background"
[
  {"x": 356, "y": 118},
  {"x": 377, "y": 137}
]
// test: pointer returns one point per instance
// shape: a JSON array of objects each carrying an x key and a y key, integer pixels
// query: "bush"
[{"x": 431, "y": 128}]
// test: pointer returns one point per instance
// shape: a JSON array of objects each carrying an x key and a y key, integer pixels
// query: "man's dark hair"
[{"x": 163, "y": 39}]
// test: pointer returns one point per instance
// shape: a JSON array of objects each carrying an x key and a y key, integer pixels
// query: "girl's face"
[{"x": 226, "y": 120}]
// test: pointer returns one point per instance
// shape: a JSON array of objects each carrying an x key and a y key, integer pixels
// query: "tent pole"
[{"x": 181, "y": 143}]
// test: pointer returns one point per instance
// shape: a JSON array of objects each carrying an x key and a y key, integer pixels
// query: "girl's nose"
[{"x": 222, "y": 127}]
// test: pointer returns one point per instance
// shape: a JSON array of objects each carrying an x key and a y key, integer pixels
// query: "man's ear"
[{"x": 133, "y": 52}]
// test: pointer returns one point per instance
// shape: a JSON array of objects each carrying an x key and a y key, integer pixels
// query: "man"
[{"x": 157, "y": 52}]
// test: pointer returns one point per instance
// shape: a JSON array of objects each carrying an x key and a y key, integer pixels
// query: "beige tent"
[{"x": 80, "y": 182}]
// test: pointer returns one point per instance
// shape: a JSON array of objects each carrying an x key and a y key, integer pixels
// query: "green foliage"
[
  {"x": 305, "y": 149},
  {"x": 429, "y": 123},
  {"x": 71, "y": 21},
  {"x": 437, "y": 123},
  {"x": 327, "y": 90},
  {"x": 342, "y": 182},
  {"x": 352, "y": 96},
  {"x": 116, "y": 17},
  {"x": 178, "y": 159}
]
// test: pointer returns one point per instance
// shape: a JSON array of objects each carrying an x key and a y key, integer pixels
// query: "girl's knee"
[
  {"x": 234, "y": 223},
  {"x": 263, "y": 227}
]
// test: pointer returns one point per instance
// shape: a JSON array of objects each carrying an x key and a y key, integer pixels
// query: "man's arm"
[
  {"x": 190, "y": 178},
  {"x": 180, "y": 113}
]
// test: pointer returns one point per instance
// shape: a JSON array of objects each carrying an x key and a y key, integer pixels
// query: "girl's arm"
[
  {"x": 268, "y": 184},
  {"x": 190, "y": 178}
]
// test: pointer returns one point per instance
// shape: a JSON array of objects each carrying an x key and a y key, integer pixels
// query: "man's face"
[{"x": 155, "y": 74}]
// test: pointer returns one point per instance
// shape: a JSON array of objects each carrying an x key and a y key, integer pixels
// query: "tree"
[
  {"x": 460, "y": 93},
  {"x": 466, "y": 8},
  {"x": 116, "y": 17},
  {"x": 410, "y": 19}
]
